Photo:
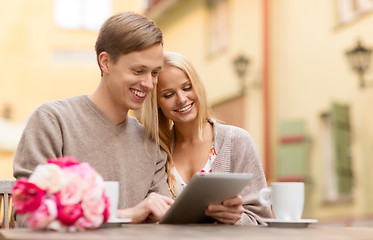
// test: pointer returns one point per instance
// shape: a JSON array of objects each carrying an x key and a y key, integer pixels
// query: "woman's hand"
[
  {"x": 228, "y": 212},
  {"x": 150, "y": 210}
]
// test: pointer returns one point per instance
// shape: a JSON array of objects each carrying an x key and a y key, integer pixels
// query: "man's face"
[{"x": 132, "y": 77}]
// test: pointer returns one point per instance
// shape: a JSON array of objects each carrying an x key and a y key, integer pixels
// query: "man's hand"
[
  {"x": 228, "y": 212},
  {"x": 150, "y": 210}
]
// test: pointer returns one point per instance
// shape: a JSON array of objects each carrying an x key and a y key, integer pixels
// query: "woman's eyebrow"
[
  {"x": 166, "y": 90},
  {"x": 171, "y": 89}
]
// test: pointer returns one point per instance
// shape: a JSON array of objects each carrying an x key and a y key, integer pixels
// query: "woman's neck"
[{"x": 188, "y": 133}]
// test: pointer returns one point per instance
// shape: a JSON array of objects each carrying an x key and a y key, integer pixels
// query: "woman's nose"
[{"x": 181, "y": 98}]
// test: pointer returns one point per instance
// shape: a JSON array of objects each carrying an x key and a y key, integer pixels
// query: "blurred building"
[
  {"x": 279, "y": 69},
  {"x": 46, "y": 53}
]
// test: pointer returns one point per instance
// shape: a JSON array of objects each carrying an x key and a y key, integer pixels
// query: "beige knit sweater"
[
  {"x": 77, "y": 127},
  {"x": 237, "y": 152}
]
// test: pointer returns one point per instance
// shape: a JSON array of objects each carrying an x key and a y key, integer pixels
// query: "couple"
[{"x": 97, "y": 128}]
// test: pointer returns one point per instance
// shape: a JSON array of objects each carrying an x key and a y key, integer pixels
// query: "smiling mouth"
[
  {"x": 186, "y": 108},
  {"x": 138, "y": 93}
]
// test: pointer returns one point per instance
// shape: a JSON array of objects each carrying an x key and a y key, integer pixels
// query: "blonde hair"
[{"x": 161, "y": 128}]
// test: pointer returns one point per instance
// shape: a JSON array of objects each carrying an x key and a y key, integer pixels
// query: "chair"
[{"x": 5, "y": 194}]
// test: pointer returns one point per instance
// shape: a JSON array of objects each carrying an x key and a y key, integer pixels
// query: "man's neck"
[{"x": 103, "y": 102}]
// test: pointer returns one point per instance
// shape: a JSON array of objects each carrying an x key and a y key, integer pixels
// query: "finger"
[
  {"x": 162, "y": 207},
  {"x": 221, "y": 208},
  {"x": 237, "y": 200},
  {"x": 158, "y": 206},
  {"x": 168, "y": 200},
  {"x": 157, "y": 210},
  {"x": 161, "y": 204},
  {"x": 226, "y": 217}
]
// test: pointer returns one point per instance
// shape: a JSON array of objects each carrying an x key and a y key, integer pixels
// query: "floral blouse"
[{"x": 206, "y": 169}]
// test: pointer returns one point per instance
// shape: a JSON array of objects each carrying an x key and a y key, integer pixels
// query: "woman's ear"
[{"x": 104, "y": 60}]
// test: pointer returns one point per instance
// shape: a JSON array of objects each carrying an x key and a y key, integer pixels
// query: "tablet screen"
[{"x": 204, "y": 189}]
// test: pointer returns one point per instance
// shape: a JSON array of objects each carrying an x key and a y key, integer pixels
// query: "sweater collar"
[{"x": 222, "y": 148}]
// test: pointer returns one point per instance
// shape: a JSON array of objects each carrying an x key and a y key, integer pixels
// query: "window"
[
  {"x": 336, "y": 142},
  {"x": 293, "y": 152},
  {"x": 349, "y": 10},
  {"x": 218, "y": 25},
  {"x": 81, "y": 14}
]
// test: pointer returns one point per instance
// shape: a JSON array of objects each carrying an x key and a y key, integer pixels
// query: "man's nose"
[{"x": 148, "y": 82}]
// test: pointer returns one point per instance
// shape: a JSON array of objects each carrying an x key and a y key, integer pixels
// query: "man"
[{"x": 97, "y": 128}]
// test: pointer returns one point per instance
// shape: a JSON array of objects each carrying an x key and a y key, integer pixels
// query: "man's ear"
[{"x": 104, "y": 60}]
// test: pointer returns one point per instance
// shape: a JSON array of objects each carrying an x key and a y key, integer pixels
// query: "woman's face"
[{"x": 176, "y": 96}]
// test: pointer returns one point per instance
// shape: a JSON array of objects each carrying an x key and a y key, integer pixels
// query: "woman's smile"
[{"x": 185, "y": 109}]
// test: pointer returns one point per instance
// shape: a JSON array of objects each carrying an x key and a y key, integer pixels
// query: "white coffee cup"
[
  {"x": 286, "y": 198},
  {"x": 112, "y": 191}
]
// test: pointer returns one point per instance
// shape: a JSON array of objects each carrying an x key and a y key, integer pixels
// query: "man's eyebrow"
[
  {"x": 146, "y": 67},
  {"x": 158, "y": 68}
]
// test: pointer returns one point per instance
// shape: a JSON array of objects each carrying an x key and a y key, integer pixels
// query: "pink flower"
[
  {"x": 72, "y": 190},
  {"x": 79, "y": 179},
  {"x": 63, "y": 162},
  {"x": 43, "y": 216},
  {"x": 68, "y": 214},
  {"x": 62, "y": 193},
  {"x": 48, "y": 177},
  {"x": 93, "y": 205},
  {"x": 26, "y": 196},
  {"x": 84, "y": 171},
  {"x": 83, "y": 223},
  {"x": 106, "y": 212}
]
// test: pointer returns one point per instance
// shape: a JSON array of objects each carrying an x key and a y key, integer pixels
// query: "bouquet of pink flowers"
[{"x": 63, "y": 193}]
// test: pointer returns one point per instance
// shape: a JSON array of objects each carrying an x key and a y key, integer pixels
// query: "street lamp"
[
  {"x": 359, "y": 59},
  {"x": 241, "y": 63}
]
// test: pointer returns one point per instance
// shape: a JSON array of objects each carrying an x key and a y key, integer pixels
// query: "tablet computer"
[{"x": 204, "y": 189}]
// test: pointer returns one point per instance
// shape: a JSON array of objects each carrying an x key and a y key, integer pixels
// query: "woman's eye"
[
  {"x": 168, "y": 95},
  {"x": 187, "y": 88}
]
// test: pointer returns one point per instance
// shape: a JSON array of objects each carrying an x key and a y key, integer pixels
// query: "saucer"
[
  {"x": 116, "y": 222},
  {"x": 273, "y": 222},
  {"x": 120, "y": 220}
]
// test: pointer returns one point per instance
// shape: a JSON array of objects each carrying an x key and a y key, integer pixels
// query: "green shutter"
[
  {"x": 342, "y": 142},
  {"x": 293, "y": 151}
]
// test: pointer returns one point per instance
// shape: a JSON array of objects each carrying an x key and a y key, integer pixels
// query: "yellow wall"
[
  {"x": 185, "y": 30},
  {"x": 30, "y": 73},
  {"x": 308, "y": 71}
]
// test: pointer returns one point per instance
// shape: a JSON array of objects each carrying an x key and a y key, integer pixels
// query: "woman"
[{"x": 197, "y": 143}]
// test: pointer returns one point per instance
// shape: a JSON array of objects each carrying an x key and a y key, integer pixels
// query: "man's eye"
[
  {"x": 155, "y": 73},
  {"x": 138, "y": 71}
]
